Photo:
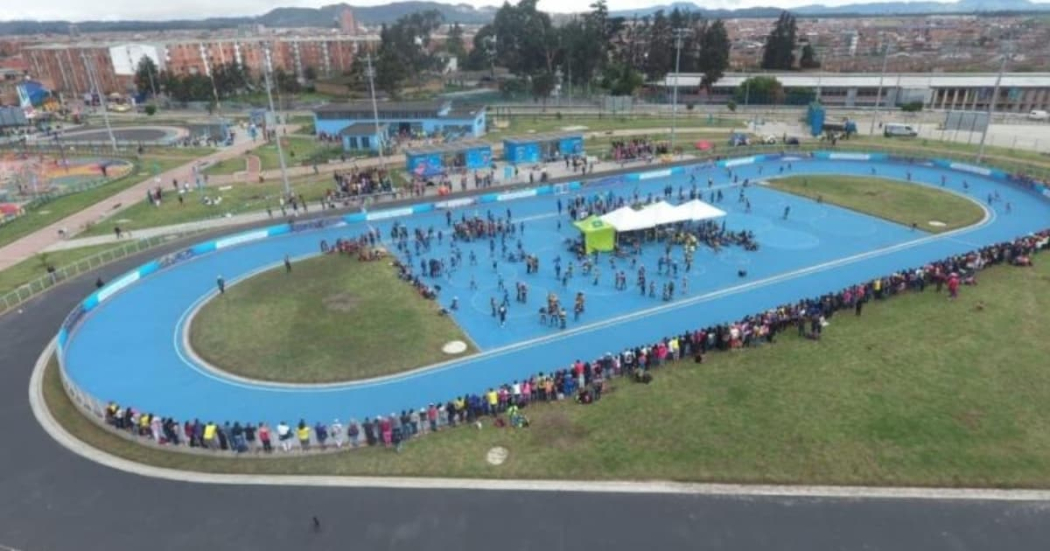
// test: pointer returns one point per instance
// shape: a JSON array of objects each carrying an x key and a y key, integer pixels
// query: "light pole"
[
  {"x": 995, "y": 99},
  {"x": 93, "y": 82},
  {"x": 679, "y": 37},
  {"x": 375, "y": 109},
  {"x": 878, "y": 94},
  {"x": 277, "y": 135}
]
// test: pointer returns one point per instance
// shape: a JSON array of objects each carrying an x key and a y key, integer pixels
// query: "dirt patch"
[
  {"x": 971, "y": 419},
  {"x": 343, "y": 303},
  {"x": 564, "y": 432}
]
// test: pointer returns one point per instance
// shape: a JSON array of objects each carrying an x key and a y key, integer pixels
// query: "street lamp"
[
  {"x": 375, "y": 108},
  {"x": 267, "y": 69},
  {"x": 679, "y": 37},
  {"x": 995, "y": 99},
  {"x": 93, "y": 82},
  {"x": 878, "y": 94}
]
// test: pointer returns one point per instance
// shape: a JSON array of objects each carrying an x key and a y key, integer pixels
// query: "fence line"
[{"x": 34, "y": 287}]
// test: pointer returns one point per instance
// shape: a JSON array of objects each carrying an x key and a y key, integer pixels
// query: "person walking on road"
[{"x": 221, "y": 283}]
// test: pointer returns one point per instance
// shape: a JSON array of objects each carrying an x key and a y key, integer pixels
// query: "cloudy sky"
[{"x": 197, "y": 9}]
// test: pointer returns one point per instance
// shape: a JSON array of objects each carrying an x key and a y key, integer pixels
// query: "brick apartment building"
[{"x": 63, "y": 68}]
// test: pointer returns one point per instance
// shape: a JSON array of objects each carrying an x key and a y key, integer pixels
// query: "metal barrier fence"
[{"x": 33, "y": 288}]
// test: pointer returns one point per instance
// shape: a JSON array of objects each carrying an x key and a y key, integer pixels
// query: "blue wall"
[
  {"x": 429, "y": 164},
  {"x": 524, "y": 151},
  {"x": 373, "y": 142}
]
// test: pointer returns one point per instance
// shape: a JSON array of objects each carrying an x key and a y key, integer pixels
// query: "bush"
[
  {"x": 731, "y": 105},
  {"x": 912, "y": 107},
  {"x": 689, "y": 106},
  {"x": 151, "y": 110}
]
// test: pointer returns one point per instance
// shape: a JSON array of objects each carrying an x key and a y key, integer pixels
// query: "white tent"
[
  {"x": 625, "y": 219},
  {"x": 697, "y": 210},
  {"x": 661, "y": 213}
]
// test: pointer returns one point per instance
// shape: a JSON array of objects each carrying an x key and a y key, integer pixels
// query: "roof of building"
[
  {"x": 543, "y": 137},
  {"x": 362, "y": 129},
  {"x": 871, "y": 80},
  {"x": 383, "y": 107},
  {"x": 451, "y": 147},
  {"x": 464, "y": 112}
]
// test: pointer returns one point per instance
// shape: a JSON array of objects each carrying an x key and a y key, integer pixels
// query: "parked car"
[
  {"x": 737, "y": 140},
  {"x": 769, "y": 140},
  {"x": 893, "y": 129},
  {"x": 1039, "y": 115},
  {"x": 791, "y": 140}
]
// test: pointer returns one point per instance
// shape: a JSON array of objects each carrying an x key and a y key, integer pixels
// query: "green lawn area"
[
  {"x": 64, "y": 206},
  {"x": 297, "y": 150},
  {"x": 238, "y": 199},
  {"x": 523, "y": 124},
  {"x": 228, "y": 166},
  {"x": 36, "y": 267},
  {"x": 332, "y": 318},
  {"x": 917, "y": 391},
  {"x": 889, "y": 199}
]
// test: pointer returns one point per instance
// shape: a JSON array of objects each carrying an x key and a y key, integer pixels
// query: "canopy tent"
[
  {"x": 697, "y": 210},
  {"x": 597, "y": 235},
  {"x": 625, "y": 219}
]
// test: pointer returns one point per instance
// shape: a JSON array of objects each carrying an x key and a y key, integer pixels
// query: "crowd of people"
[
  {"x": 638, "y": 149},
  {"x": 582, "y": 381}
]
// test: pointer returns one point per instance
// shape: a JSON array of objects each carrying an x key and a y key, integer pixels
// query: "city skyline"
[{"x": 117, "y": 10}]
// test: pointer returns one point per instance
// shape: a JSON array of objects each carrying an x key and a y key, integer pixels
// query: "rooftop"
[
  {"x": 383, "y": 107},
  {"x": 543, "y": 137},
  {"x": 451, "y": 147},
  {"x": 362, "y": 129},
  {"x": 904, "y": 80}
]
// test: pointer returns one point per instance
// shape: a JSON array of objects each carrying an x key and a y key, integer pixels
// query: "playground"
[
  {"x": 805, "y": 248},
  {"x": 25, "y": 176}
]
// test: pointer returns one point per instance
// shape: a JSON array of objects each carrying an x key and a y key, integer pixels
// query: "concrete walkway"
[
  {"x": 554, "y": 171},
  {"x": 43, "y": 238}
]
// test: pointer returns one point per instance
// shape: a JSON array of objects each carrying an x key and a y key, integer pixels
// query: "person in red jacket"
[{"x": 953, "y": 285}]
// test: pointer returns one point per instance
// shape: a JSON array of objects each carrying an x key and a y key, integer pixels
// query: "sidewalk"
[
  {"x": 398, "y": 159},
  {"x": 44, "y": 238},
  {"x": 554, "y": 171}
]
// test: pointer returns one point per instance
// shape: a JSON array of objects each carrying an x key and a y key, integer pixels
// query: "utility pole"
[
  {"x": 679, "y": 37},
  {"x": 93, "y": 82},
  {"x": 995, "y": 99},
  {"x": 267, "y": 70},
  {"x": 375, "y": 109},
  {"x": 878, "y": 94}
]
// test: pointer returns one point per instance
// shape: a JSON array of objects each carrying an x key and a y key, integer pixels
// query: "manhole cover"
[
  {"x": 497, "y": 455},
  {"x": 454, "y": 347},
  {"x": 937, "y": 223}
]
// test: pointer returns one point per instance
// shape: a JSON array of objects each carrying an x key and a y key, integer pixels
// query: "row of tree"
[{"x": 227, "y": 80}]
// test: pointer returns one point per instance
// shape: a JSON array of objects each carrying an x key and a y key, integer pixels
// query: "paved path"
[{"x": 31, "y": 244}]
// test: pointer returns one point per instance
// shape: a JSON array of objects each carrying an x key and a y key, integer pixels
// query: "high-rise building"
[{"x": 347, "y": 23}]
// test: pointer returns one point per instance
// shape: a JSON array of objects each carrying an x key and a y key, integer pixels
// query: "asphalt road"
[{"x": 51, "y": 499}]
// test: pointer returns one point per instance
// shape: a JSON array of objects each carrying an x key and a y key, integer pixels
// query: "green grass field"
[
  {"x": 918, "y": 391},
  {"x": 228, "y": 166},
  {"x": 36, "y": 267},
  {"x": 238, "y": 199},
  {"x": 69, "y": 204},
  {"x": 523, "y": 124},
  {"x": 332, "y": 318},
  {"x": 899, "y": 202}
]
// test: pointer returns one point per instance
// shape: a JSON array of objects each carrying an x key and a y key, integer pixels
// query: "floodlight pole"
[
  {"x": 267, "y": 69},
  {"x": 375, "y": 108},
  {"x": 991, "y": 106},
  {"x": 679, "y": 36},
  {"x": 93, "y": 82},
  {"x": 878, "y": 94}
]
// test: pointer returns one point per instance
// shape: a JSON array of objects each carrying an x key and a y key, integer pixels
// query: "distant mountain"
[
  {"x": 464, "y": 13},
  {"x": 874, "y": 8}
]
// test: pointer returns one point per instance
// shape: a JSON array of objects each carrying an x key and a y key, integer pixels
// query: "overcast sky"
[{"x": 78, "y": 10}]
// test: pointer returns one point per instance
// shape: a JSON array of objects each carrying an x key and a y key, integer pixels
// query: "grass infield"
[
  {"x": 895, "y": 201},
  {"x": 332, "y": 318},
  {"x": 918, "y": 391}
]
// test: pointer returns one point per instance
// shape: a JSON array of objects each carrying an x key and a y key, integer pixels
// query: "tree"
[
  {"x": 714, "y": 53},
  {"x": 310, "y": 73},
  {"x": 779, "y": 52},
  {"x": 404, "y": 50},
  {"x": 483, "y": 55},
  {"x": 621, "y": 79},
  {"x": 146, "y": 74},
  {"x": 808, "y": 59},
  {"x": 526, "y": 41},
  {"x": 659, "y": 59},
  {"x": 542, "y": 85},
  {"x": 454, "y": 44},
  {"x": 760, "y": 90}
]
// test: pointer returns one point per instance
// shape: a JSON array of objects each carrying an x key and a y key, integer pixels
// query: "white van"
[
  {"x": 895, "y": 129},
  {"x": 1039, "y": 116}
]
